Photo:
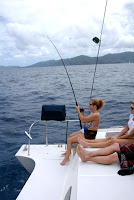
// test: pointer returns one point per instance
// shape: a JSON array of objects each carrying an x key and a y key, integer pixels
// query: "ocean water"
[{"x": 23, "y": 91}]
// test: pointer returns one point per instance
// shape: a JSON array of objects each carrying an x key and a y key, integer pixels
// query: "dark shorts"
[
  {"x": 124, "y": 148},
  {"x": 89, "y": 134}
]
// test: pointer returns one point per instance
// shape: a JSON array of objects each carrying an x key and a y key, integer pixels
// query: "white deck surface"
[
  {"x": 101, "y": 182},
  {"x": 50, "y": 181},
  {"x": 47, "y": 178}
]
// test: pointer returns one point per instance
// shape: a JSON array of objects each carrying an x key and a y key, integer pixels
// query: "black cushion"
[{"x": 53, "y": 112}]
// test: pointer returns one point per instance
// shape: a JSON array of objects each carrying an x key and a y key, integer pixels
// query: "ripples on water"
[{"x": 25, "y": 90}]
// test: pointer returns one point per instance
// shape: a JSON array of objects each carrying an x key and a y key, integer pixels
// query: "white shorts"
[{"x": 82, "y": 130}]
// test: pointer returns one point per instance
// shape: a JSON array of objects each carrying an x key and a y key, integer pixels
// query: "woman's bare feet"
[
  {"x": 83, "y": 154},
  {"x": 64, "y": 161},
  {"x": 63, "y": 154},
  {"x": 82, "y": 142}
]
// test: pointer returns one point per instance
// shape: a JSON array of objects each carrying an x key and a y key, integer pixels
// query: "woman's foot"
[
  {"x": 64, "y": 161},
  {"x": 83, "y": 154},
  {"x": 82, "y": 142},
  {"x": 63, "y": 154}
]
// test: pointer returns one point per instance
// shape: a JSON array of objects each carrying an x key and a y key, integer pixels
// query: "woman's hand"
[{"x": 77, "y": 108}]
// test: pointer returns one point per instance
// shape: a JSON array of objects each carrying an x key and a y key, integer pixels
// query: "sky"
[{"x": 25, "y": 26}]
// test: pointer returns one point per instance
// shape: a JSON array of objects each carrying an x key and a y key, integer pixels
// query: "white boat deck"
[
  {"x": 47, "y": 178},
  {"x": 101, "y": 182},
  {"x": 51, "y": 181}
]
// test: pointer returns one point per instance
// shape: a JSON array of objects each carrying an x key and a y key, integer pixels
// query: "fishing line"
[
  {"x": 67, "y": 74},
  {"x": 97, "y": 40}
]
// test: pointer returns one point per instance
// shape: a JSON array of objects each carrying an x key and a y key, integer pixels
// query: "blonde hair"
[
  {"x": 132, "y": 102},
  {"x": 98, "y": 102}
]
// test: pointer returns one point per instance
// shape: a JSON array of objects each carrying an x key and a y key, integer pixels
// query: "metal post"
[
  {"x": 29, "y": 147},
  {"x": 46, "y": 135},
  {"x": 66, "y": 134}
]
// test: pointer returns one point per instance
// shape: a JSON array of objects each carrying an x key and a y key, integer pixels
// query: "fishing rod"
[
  {"x": 97, "y": 40},
  {"x": 67, "y": 75}
]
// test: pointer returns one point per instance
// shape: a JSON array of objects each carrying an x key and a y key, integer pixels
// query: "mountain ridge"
[{"x": 124, "y": 57}]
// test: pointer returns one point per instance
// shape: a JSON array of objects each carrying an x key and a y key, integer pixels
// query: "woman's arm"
[
  {"x": 123, "y": 132},
  {"x": 128, "y": 136},
  {"x": 88, "y": 118}
]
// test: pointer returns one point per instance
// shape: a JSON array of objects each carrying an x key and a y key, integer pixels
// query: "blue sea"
[{"x": 23, "y": 91}]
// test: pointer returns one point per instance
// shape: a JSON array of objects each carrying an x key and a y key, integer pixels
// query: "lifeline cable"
[
  {"x": 99, "y": 40},
  {"x": 67, "y": 75}
]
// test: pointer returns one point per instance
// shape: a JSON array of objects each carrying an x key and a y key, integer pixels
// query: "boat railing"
[{"x": 30, "y": 137}]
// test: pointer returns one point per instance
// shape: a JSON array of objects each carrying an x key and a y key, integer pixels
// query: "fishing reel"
[
  {"x": 81, "y": 109},
  {"x": 96, "y": 40}
]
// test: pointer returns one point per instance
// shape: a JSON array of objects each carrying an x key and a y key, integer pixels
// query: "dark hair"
[{"x": 98, "y": 102}]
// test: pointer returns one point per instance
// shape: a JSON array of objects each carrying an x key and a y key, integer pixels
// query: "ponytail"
[{"x": 98, "y": 102}]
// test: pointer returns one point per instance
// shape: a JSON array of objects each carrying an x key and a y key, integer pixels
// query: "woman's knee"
[
  {"x": 116, "y": 146},
  {"x": 69, "y": 140},
  {"x": 72, "y": 139}
]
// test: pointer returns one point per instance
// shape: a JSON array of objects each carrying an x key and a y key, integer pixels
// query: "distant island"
[{"x": 125, "y": 57}]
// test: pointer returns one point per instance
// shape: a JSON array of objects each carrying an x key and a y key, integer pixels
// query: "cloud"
[{"x": 25, "y": 25}]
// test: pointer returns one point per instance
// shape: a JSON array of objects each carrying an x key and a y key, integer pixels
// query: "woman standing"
[{"x": 91, "y": 121}]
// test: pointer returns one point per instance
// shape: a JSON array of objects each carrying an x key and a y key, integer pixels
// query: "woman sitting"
[
  {"x": 126, "y": 136},
  {"x": 91, "y": 121}
]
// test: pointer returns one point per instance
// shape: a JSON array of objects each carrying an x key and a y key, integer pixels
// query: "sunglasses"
[
  {"x": 131, "y": 108},
  {"x": 90, "y": 104}
]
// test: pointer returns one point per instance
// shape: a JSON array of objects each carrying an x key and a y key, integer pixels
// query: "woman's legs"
[
  {"x": 106, "y": 143},
  {"x": 78, "y": 133},
  {"x": 102, "y": 156},
  {"x": 106, "y": 160},
  {"x": 103, "y": 144},
  {"x": 75, "y": 133},
  {"x": 125, "y": 141},
  {"x": 85, "y": 155},
  {"x": 85, "y": 142},
  {"x": 70, "y": 141}
]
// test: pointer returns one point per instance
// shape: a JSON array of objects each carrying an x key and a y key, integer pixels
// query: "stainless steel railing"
[{"x": 30, "y": 137}]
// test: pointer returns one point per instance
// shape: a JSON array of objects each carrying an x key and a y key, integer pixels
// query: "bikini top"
[
  {"x": 131, "y": 123},
  {"x": 90, "y": 125}
]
